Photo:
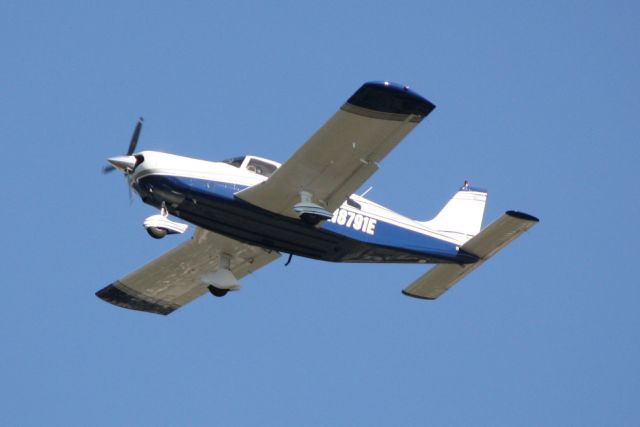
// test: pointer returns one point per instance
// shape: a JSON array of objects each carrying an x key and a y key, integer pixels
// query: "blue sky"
[{"x": 536, "y": 102}]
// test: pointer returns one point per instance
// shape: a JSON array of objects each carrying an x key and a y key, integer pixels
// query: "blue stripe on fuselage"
[{"x": 390, "y": 236}]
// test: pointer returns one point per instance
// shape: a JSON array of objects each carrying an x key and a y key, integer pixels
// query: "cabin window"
[
  {"x": 236, "y": 161},
  {"x": 261, "y": 168}
]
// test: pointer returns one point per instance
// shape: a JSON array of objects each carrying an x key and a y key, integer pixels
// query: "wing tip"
[
  {"x": 114, "y": 294},
  {"x": 387, "y": 97},
  {"x": 404, "y": 291},
  {"x": 523, "y": 216}
]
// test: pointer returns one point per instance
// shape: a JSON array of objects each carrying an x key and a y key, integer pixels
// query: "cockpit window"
[
  {"x": 236, "y": 161},
  {"x": 261, "y": 168}
]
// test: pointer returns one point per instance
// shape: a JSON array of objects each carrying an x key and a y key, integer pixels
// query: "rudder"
[{"x": 461, "y": 217}]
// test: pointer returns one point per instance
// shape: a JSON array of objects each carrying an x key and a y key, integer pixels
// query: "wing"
[
  {"x": 345, "y": 151},
  {"x": 496, "y": 236},
  {"x": 173, "y": 280}
]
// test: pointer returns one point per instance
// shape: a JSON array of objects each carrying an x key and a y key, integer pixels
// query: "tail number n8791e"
[{"x": 354, "y": 220}]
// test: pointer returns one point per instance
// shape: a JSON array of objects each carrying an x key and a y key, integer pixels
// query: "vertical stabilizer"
[{"x": 461, "y": 217}]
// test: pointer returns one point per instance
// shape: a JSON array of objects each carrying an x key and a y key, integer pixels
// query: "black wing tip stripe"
[
  {"x": 522, "y": 215},
  {"x": 116, "y": 296},
  {"x": 417, "y": 296},
  {"x": 392, "y": 98}
]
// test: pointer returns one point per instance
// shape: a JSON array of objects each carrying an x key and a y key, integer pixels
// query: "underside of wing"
[
  {"x": 345, "y": 151},
  {"x": 175, "y": 278}
]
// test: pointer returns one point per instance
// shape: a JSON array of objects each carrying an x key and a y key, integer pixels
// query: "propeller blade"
[
  {"x": 126, "y": 163},
  {"x": 135, "y": 136}
]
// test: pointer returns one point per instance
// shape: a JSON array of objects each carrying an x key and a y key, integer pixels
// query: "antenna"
[{"x": 366, "y": 191}]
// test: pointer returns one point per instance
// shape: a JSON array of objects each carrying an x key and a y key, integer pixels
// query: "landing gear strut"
[
  {"x": 310, "y": 212},
  {"x": 159, "y": 226}
]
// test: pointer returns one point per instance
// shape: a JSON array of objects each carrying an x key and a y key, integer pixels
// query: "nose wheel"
[
  {"x": 157, "y": 232},
  {"x": 159, "y": 226}
]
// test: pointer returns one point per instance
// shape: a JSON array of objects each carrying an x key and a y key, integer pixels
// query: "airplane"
[{"x": 249, "y": 210}]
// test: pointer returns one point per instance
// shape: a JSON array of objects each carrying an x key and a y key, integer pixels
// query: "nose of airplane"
[{"x": 123, "y": 163}]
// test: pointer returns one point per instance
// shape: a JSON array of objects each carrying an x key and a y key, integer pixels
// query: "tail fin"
[{"x": 461, "y": 217}]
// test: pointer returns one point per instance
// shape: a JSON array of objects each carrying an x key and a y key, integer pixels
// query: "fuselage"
[{"x": 203, "y": 193}]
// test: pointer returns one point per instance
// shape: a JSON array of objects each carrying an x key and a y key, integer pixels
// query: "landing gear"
[
  {"x": 222, "y": 280},
  {"x": 310, "y": 212},
  {"x": 159, "y": 226}
]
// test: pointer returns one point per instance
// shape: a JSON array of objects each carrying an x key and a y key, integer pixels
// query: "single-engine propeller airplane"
[{"x": 248, "y": 210}]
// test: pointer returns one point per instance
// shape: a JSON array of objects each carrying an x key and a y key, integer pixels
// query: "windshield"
[
  {"x": 261, "y": 168},
  {"x": 236, "y": 161}
]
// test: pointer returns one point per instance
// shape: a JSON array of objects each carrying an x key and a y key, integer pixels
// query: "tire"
[
  {"x": 217, "y": 292},
  {"x": 157, "y": 232}
]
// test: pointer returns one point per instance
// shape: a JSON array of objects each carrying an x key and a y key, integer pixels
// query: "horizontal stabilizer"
[{"x": 489, "y": 241}]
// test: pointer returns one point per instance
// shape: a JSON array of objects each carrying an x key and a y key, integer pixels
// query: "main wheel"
[
  {"x": 217, "y": 291},
  {"x": 311, "y": 219}
]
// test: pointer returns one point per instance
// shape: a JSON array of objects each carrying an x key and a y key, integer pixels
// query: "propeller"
[{"x": 128, "y": 162}]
